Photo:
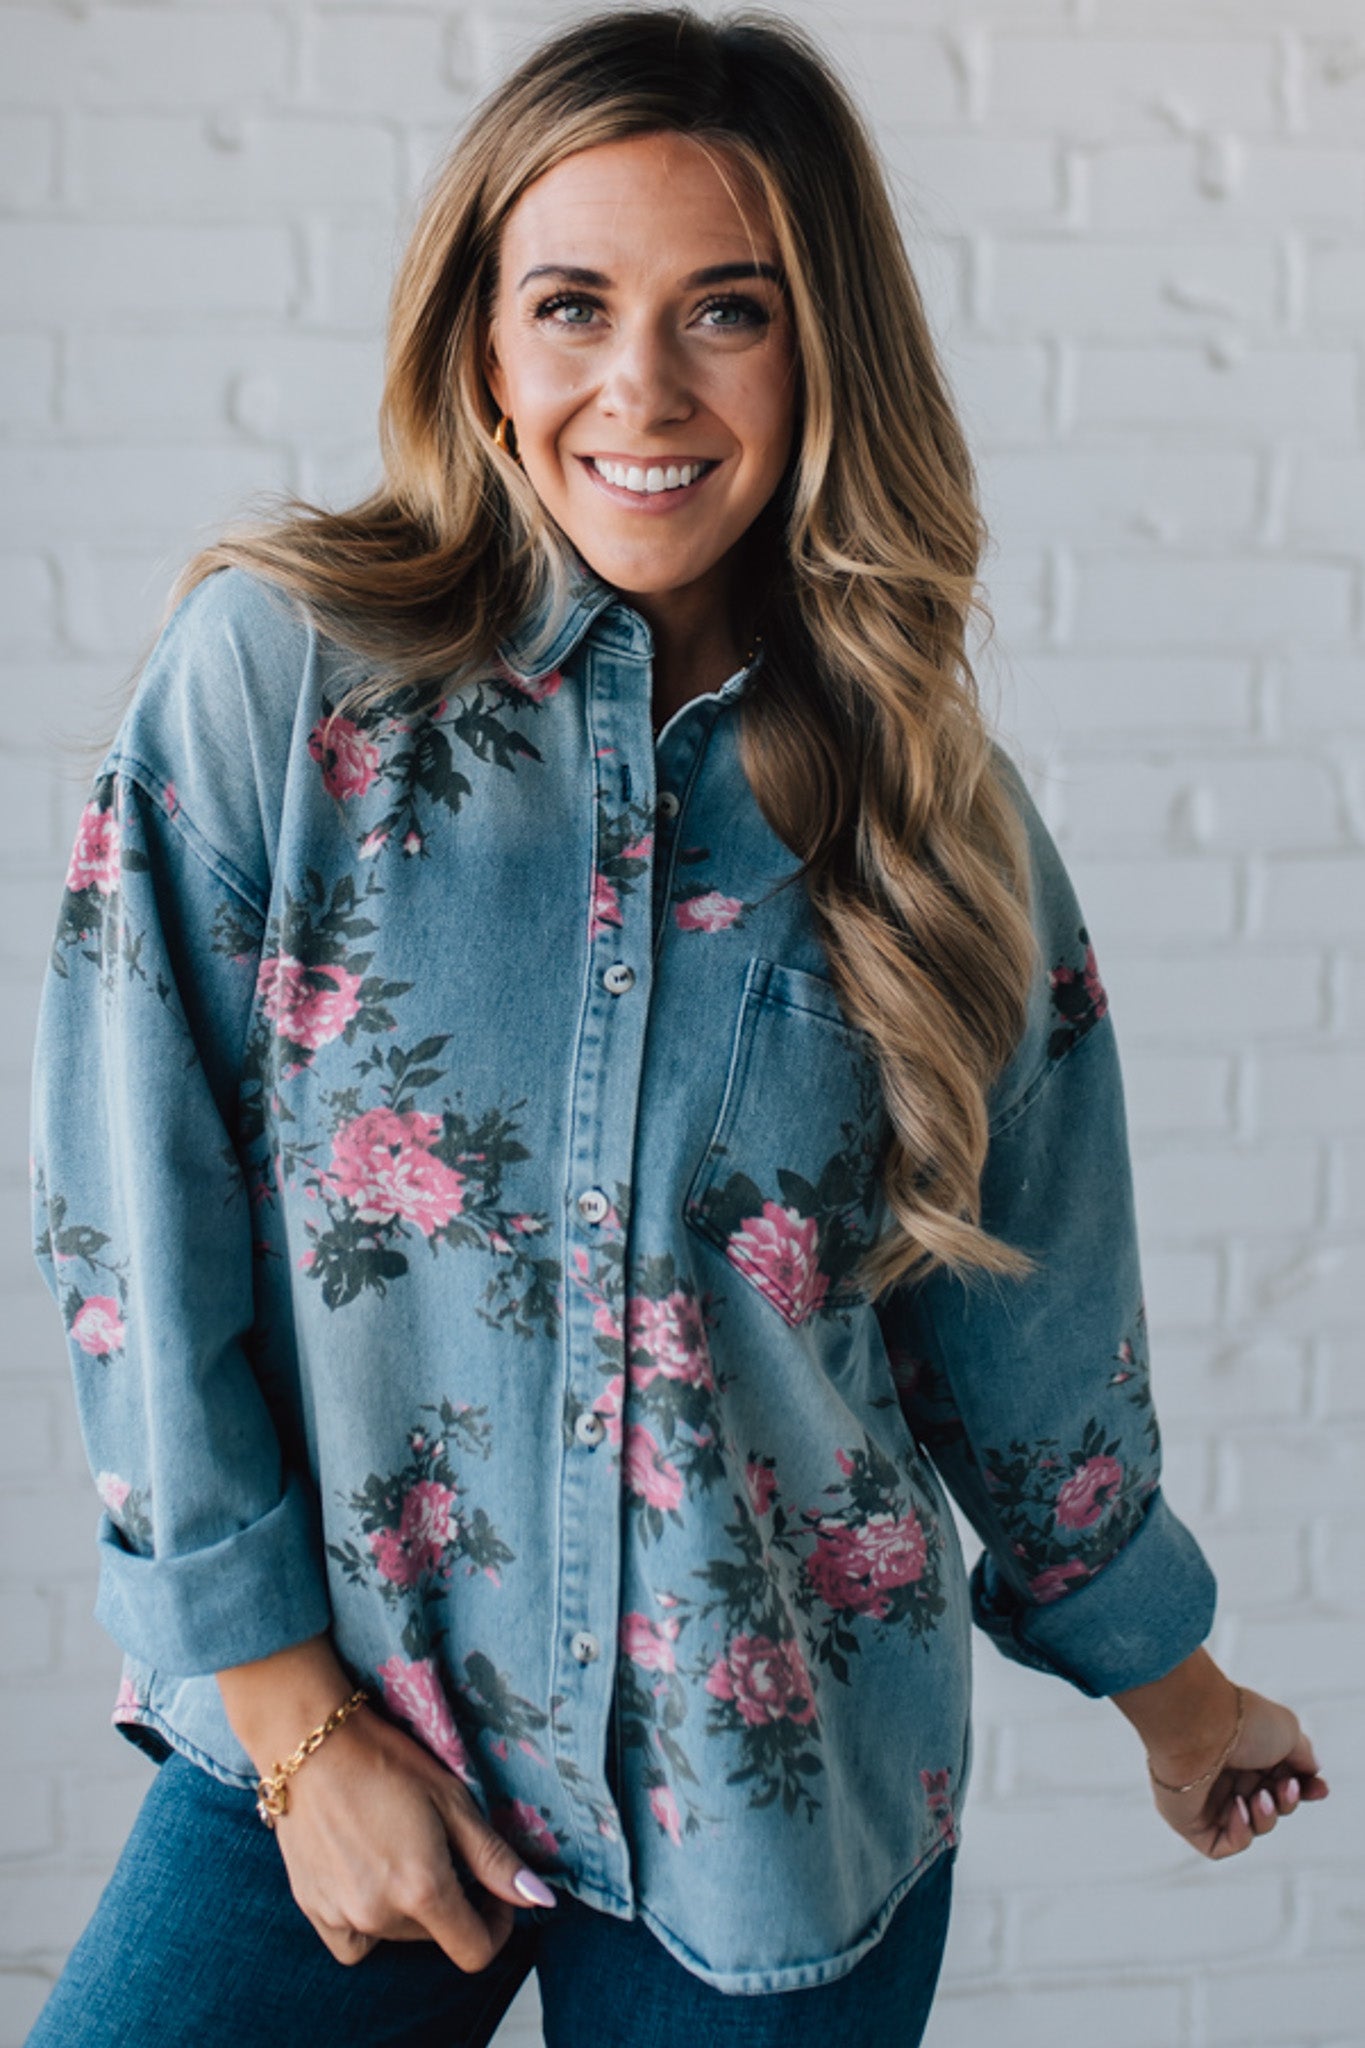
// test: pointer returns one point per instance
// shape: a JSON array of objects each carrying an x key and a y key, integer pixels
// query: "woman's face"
[{"x": 640, "y": 337}]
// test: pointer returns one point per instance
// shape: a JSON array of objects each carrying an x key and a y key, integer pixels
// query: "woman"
[{"x": 573, "y": 1093}]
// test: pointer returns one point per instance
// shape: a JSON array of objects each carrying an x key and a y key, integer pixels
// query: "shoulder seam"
[
  {"x": 1024, "y": 1102},
  {"x": 152, "y": 785}
]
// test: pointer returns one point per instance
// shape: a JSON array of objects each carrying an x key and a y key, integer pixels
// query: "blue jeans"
[{"x": 197, "y": 1939}]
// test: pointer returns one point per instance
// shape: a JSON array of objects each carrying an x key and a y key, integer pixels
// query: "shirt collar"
[{"x": 548, "y": 631}]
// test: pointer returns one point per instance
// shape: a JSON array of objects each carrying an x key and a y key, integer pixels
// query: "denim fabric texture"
[
  {"x": 450, "y": 1156},
  {"x": 197, "y": 1939}
]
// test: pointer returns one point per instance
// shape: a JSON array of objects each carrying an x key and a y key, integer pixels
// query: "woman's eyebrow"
[{"x": 716, "y": 273}]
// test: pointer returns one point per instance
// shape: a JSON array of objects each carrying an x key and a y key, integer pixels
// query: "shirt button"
[
  {"x": 667, "y": 804},
  {"x": 618, "y": 978},
  {"x": 585, "y": 1647},
  {"x": 593, "y": 1205},
  {"x": 589, "y": 1428}
]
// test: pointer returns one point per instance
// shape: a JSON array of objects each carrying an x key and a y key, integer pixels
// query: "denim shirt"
[{"x": 450, "y": 1158}]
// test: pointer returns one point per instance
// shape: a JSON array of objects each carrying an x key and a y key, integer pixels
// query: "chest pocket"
[{"x": 789, "y": 1187}]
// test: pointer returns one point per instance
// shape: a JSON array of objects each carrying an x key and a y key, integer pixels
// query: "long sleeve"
[
  {"x": 1033, "y": 1397},
  {"x": 209, "y": 1552}
]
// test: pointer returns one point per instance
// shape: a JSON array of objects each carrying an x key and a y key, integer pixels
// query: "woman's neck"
[{"x": 696, "y": 647}]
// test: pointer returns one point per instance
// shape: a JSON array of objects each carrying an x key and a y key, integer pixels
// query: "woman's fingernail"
[
  {"x": 532, "y": 1888},
  {"x": 1265, "y": 1802},
  {"x": 1243, "y": 1809},
  {"x": 1291, "y": 1791}
]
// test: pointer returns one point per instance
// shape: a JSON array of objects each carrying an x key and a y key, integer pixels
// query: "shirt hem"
[
  {"x": 129, "y": 1719},
  {"x": 797, "y": 1976}
]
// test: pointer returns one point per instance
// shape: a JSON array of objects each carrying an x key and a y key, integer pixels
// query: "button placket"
[{"x": 600, "y": 1150}]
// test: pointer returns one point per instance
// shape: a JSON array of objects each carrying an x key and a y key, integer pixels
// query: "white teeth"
[{"x": 629, "y": 477}]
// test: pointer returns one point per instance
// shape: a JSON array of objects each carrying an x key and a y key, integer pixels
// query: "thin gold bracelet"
[
  {"x": 1228, "y": 1748},
  {"x": 272, "y": 1791}
]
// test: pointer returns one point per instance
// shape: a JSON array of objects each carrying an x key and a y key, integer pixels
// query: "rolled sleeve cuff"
[
  {"x": 1141, "y": 1614},
  {"x": 258, "y": 1591}
]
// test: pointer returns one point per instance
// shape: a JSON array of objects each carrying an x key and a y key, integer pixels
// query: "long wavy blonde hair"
[{"x": 866, "y": 748}]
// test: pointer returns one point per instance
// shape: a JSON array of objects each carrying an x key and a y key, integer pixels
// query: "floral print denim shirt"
[{"x": 449, "y": 1159}]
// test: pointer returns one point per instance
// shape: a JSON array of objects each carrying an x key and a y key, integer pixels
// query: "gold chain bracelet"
[
  {"x": 272, "y": 1791},
  {"x": 1228, "y": 1748}
]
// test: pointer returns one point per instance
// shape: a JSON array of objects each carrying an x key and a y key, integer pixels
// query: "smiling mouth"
[{"x": 648, "y": 480}]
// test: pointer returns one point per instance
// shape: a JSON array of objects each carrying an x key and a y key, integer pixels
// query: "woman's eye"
[
  {"x": 562, "y": 300},
  {"x": 745, "y": 312},
  {"x": 734, "y": 312}
]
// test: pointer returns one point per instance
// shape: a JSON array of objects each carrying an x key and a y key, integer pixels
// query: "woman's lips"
[{"x": 648, "y": 501}]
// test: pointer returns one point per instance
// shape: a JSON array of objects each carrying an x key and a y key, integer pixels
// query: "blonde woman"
[{"x": 574, "y": 1097}]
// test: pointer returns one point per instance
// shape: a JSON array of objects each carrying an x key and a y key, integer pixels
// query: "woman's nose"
[{"x": 645, "y": 379}]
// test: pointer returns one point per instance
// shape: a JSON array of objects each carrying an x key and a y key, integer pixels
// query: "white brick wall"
[{"x": 1140, "y": 226}]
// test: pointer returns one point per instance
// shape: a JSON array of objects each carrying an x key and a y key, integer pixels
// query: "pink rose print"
[
  {"x": 834, "y": 1568},
  {"x": 97, "y": 1326},
  {"x": 1078, "y": 999},
  {"x": 605, "y": 1321},
  {"x": 608, "y": 1406},
  {"x": 413, "y": 1693},
  {"x": 372, "y": 842},
  {"x": 412, "y": 842},
  {"x": 381, "y": 1166},
  {"x": 938, "y": 1799},
  {"x": 113, "y": 1491},
  {"x": 1083, "y": 1498},
  {"x": 778, "y": 1251},
  {"x": 606, "y": 906},
  {"x": 895, "y": 1549},
  {"x": 518, "y": 1822},
  {"x": 1124, "y": 1355},
  {"x": 426, "y": 1525},
  {"x": 766, "y": 1681},
  {"x": 349, "y": 761},
  {"x": 709, "y": 913},
  {"x": 127, "y": 1705},
  {"x": 648, "y": 1472},
  {"x": 674, "y": 1335},
  {"x": 540, "y": 689},
  {"x": 664, "y": 1808},
  {"x": 649, "y": 1644},
  {"x": 309, "y": 1006},
  {"x": 761, "y": 1482},
  {"x": 1094, "y": 987},
  {"x": 857, "y": 1568},
  {"x": 1051, "y": 1584},
  {"x": 94, "y": 860}
]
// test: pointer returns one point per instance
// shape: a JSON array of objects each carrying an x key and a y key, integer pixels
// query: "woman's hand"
[
  {"x": 372, "y": 1819},
  {"x": 1185, "y": 1721}
]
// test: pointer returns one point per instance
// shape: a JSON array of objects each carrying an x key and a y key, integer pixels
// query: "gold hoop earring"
[{"x": 500, "y": 436}]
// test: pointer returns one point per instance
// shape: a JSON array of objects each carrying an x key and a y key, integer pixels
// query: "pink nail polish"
[
  {"x": 1291, "y": 1791},
  {"x": 1265, "y": 1802},
  {"x": 1244, "y": 1809},
  {"x": 531, "y": 1887}
]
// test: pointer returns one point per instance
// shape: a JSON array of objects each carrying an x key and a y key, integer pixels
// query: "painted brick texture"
[{"x": 1140, "y": 229}]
